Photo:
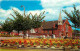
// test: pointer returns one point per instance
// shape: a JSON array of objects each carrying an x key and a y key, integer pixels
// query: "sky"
[{"x": 52, "y": 8}]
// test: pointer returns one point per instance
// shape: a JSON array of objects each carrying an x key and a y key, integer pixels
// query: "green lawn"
[{"x": 26, "y": 50}]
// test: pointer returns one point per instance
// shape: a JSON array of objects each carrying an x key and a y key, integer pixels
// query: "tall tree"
[
  {"x": 21, "y": 23},
  {"x": 74, "y": 17},
  {"x": 7, "y": 26}
]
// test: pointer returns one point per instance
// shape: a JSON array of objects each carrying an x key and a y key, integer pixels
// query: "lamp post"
[
  {"x": 52, "y": 32},
  {"x": 24, "y": 10}
]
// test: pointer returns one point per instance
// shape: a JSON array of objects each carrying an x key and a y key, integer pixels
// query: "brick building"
[{"x": 59, "y": 28}]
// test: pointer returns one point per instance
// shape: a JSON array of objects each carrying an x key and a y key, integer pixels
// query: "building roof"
[{"x": 50, "y": 24}]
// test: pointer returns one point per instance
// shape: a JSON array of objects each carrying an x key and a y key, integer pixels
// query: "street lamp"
[
  {"x": 52, "y": 32},
  {"x": 24, "y": 10}
]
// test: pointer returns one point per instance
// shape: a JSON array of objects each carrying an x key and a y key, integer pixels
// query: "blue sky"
[
  {"x": 29, "y": 5},
  {"x": 51, "y": 7}
]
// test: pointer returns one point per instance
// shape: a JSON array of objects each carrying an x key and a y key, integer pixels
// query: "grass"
[{"x": 27, "y": 50}]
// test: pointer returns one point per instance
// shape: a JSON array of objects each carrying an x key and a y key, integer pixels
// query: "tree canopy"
[
  {"x": 37, "y": 20},
  {"x": 74, "y": 17},
  {"x": 20, "y": 22},
  {"x": 7, "y": 26}
]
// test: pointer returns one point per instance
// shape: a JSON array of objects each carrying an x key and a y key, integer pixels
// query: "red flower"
[
  {"x": 19, "y": 42},
  {"x": 13, "y": 42},
  {"x": 25, "y": 42},
  {"x": 78, "y": 46},
  {"x": 2, "y": 41},
  {"x": 50, "y": 41},
  {"x": 77, "y": 42}
]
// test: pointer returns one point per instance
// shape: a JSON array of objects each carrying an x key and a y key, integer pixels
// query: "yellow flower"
[{"x": 22, "y": 40}]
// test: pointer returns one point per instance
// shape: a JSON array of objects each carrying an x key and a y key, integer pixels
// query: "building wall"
[
  {"x": 69, "y": 28},
  {"x": 61, "y": 30},
  {"x": 58, "y": 33}
]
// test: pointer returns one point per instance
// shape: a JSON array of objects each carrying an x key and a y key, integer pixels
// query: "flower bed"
[
  {"x": 8, "y": 35},
  {"x": 41, "y": 43}
]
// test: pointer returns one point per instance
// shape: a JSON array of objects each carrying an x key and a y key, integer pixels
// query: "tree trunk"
[
  {"x": 24, "y": 32},
  {"x": 9, "y": 32},
  {"x": 37, "y": 30},
  {"x": 18, "y": 32}
]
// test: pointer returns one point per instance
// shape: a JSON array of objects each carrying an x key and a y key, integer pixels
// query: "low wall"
[{"x": 11, "y": 38}]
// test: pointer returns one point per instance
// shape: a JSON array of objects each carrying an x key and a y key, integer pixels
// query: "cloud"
[
  {"x": 54, "y": 7},
  {"x": 6, "y": 13},
  {"x": 1, "y": 20},
  {"x": 50, "y": 14},
  {"x": 0, "y": 0},
  {"x": 34, "y": 12},
  {"x": 51, "y": 7},
  {"x": 57, "y": 3}
]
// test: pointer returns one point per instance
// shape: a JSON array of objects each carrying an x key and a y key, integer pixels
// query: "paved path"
[{"x": 11, "y": 38}]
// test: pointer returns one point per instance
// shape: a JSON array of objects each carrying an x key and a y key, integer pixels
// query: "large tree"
[
  {"x": 23, "y": 23},
  {"x": 74, "y": 17}
]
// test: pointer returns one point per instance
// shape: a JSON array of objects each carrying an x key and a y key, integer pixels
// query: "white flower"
[
  {"x": 20, "y": 45},
  {"x": 52, "y": 47}
]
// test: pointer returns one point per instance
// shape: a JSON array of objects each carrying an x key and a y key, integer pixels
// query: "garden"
[
  {"x": 27, "y": 22},
  {"x": 40, "y": 43}
]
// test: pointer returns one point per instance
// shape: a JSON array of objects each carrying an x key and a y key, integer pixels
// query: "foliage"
[
  {"x": 1, "y": 26},
  {"x": 7, "y": 26},
  {"x": 27, "y": 22},
  {"x": 20, "y": 22},
  {"x": 74, "y": 17},
  {"x": 37, "y": 20}
]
